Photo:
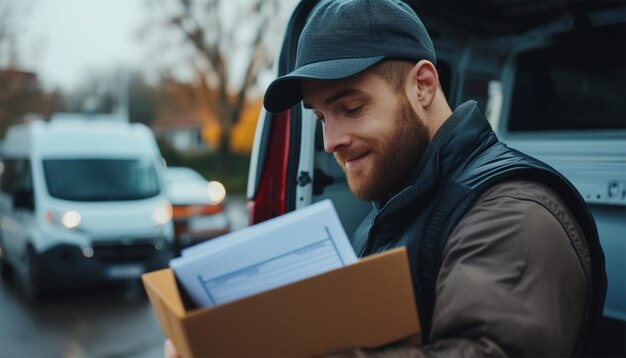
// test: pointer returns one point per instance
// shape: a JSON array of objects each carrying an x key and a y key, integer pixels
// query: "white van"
[{"x": 81, "y": 202}]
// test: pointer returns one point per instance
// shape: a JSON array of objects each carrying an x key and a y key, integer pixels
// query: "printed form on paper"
[{"x": 286, "y": 249}]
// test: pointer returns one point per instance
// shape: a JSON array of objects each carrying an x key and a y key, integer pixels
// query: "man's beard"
[{"x": 394, "y": 158}]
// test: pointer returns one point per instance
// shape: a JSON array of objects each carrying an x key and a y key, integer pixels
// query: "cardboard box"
[{"x": 365, "y": 305}]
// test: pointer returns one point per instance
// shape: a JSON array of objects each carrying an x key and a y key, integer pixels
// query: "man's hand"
[{"x": 169, "y": 351}]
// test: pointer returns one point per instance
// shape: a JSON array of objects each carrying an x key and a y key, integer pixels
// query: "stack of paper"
[{"x": 292, "y": 247}]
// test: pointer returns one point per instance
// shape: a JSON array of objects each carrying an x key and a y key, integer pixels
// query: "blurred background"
[
  {"x": 193, "y": 72},
  {"x": 131, "y": 129}
]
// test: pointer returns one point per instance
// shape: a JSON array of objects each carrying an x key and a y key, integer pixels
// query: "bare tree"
[
  {"x": 12, "y": 15},
  {"x": 19, "y": 89},
  {"x": 6, "y": 32},
  {"x": 233, "y": 41}
]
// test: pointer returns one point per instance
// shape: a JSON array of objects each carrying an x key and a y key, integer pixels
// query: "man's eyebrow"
[
  {"x": 335, "y": 97},
  {"x": 339, "y": 95}
]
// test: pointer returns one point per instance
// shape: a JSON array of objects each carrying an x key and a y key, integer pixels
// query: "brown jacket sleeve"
[{"x": 512, "y": 280}]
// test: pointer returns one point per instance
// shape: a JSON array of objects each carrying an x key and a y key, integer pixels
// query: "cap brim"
[{"x": 286, "y": 91}]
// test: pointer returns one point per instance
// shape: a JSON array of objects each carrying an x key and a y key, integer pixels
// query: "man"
[{"x": 504, "y": 255}]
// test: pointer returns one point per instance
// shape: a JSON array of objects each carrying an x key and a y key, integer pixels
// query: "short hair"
[{"x": 394, "y": 72}]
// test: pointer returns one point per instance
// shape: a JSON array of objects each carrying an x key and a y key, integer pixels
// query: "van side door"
[{"x": 17, "y": 206}]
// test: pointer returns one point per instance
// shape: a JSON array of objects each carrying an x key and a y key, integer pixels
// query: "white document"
[{"x": 289, "y": 248}]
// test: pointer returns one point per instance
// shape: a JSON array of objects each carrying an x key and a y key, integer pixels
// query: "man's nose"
[{"x": 335, "y": 136}]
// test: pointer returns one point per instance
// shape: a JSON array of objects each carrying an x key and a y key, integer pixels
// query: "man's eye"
[{"x": 354, "y": 110}]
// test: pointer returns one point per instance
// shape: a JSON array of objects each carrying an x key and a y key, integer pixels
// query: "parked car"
[
  {"x": 198, "y": 206},
  {"x": 82, "y": 202},
  {"x": 549, "y": 75}
]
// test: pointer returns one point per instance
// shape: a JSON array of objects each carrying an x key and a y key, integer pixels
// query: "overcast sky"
[{"x": 63, "y": 40}]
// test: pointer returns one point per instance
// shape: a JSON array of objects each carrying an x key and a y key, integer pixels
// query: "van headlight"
[
  {"x": 70, "y": 219},
  {"x": 163, "y": 214},
  {"x": 216, "y": 192}
]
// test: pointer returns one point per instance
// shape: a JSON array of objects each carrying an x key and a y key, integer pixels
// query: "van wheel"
[{"x": 31, "y": 286}]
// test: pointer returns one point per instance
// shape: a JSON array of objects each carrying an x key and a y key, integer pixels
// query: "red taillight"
[
  {"x": 180, "y": 211},
  {"x": 270, "y": 198}
]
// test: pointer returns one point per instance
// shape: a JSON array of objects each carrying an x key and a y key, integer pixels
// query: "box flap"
[
  {"x": 163, "y": 284},
  {"x": 163, "y": 293}
]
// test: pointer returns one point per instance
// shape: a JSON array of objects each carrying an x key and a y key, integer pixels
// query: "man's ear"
[{"x": 424, "y": 82}]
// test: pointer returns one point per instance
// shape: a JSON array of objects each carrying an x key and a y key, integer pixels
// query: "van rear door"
[{"x": 273, "y": 177}]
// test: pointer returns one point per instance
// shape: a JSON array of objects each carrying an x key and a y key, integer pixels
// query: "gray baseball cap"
[{"x": 345, "y": 37}]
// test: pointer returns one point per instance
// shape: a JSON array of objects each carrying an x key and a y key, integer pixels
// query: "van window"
[
  {"x": 577, "y": 83},
  {"x": 101, "y": 179},
  {"x": 16, "y": 176},
  {"x": 8, "y": 176}
]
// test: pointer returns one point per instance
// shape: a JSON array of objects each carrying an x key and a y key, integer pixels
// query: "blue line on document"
[
  {"x": 254, "y": 266},
  {"x": 206, "y": 290},
  {"x": 309, "y": 247},
  {"x": 334, "y": 245}
]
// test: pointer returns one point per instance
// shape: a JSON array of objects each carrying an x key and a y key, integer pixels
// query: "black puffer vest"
[{"x": 463, "y": 159}]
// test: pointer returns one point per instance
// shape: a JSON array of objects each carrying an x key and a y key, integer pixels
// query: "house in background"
[
  {"x": 190, "y": 133},
  {"x": 183, "y": 132}
]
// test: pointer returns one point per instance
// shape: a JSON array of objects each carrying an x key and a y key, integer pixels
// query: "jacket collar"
[{"x": 448, "y": 149}]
